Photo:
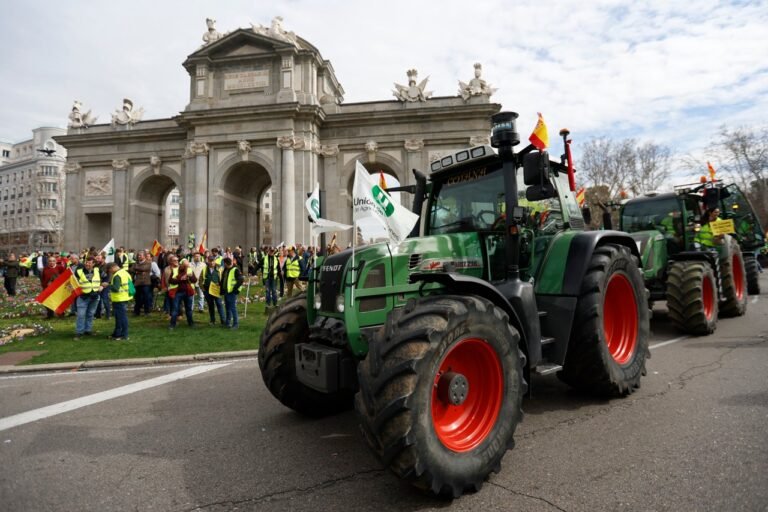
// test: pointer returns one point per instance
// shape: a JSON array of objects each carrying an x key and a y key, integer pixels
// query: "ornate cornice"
[
  {"x": 120, "y": 165},
  {"x": 72, "y": 167},
  {"x": 414, "y": 145}
]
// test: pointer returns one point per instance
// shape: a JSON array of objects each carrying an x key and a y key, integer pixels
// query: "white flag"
[
  {"x": 110, "y": 250},
  {"x": 369, "y": 200},
  {"x": 321, "y": 225}
]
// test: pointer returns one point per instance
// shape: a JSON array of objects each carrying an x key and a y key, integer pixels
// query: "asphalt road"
[{"x": 692, "y": 438}]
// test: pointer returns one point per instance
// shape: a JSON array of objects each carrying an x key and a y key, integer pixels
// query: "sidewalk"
[{"x": 143, "y": 361}]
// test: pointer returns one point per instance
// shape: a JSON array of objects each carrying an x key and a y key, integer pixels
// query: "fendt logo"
[
  {"x": 315, "y": 205},
  {"x": 382, "y": 198},
  {"x": 330, "y": 268}
]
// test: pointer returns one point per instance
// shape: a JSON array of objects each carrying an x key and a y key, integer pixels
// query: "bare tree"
[
  {"x": 651, "y": 169},
  {"x": 625, "y": 165}
]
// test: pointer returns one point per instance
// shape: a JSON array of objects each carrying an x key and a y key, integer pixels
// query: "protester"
[
  {"x": 89, "y": 279},
  {"x": 181, "y": 289},
  {"x": 119, "y": 286},
  {"x": 281, "y": 274},
  {"x": 210, "y": 283},
  {"x": 47, "y": 276},
  {"x": 104, "y": 301},
  {"x": 292, "y": 271},
  {"x": 270, "y": 272},
  {"x": 197, "y": 267},
  {"x": 11, "y": 266},
  {"x": 141, "y": 272},
  {"x": 232, "y": 280}
]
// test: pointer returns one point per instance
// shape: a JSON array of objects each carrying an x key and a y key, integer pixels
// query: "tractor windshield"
[
  {"x": 660, "y": 213},
  {"x": 472, "y": 201}
]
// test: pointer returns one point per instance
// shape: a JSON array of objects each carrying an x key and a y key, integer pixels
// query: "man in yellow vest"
[
  {"x": 270, "y": 265},
  {"x": 181, "y": 288},
  {"x": 210, "y": 283},
  {"x": 89, "y": 279},
  {"x": 120, "y": 284},
  {"x": 705, "y": 237},
  {"x": 232, "y": 280},
  {"x": 292, "y": 270}
]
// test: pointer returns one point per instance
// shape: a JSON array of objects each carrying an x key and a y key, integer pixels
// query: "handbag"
[
  {"x": 190, "y": 290},
  {"x": 172, "y": 292}
]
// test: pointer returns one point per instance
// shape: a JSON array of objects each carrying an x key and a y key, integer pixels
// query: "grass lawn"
[{"x": 149, "y": 336}]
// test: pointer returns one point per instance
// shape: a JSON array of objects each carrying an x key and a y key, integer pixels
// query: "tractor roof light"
[{"x": 504, "y": 130}]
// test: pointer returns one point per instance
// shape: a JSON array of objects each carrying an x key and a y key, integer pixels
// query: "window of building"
[
  {"x": 266, "y": 205},
  {"x": 6, "y": 153},
  {"x": 174, "y": 213}
]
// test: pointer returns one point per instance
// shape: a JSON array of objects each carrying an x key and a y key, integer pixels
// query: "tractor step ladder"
[
  {"x": 547, "y": 341},
  {"x": 546, "y": 369}
]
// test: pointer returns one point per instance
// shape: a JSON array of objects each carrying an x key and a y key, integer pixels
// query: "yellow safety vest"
[
  {"x": 705, "y": 236},
  {"x": 174, "y": 273},
  {"x": 122, "y": 295},
  {"x": 229, "y": 286},
  {"x": 292, "y": 268},
  {"x": 218, "y": 260},
  {"x": 88, "y": 286}
]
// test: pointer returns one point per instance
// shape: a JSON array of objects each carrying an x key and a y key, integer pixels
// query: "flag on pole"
[
  {"x": 382, "y": 181},
  {"x": 110, "y": 250},
  {"x": 61, "y": 293},
  {"x": 320, "y": 225},
  {"x": 581, "y": 197},
  {"x": 712, "y": 171},
  {"x": 27, "y": 261},
  {"x": 370, "y": 200},
  {"x": 540, "y": 138},
  {"x": 203, "y": 241},
  {"x": 156, "y": 248}
]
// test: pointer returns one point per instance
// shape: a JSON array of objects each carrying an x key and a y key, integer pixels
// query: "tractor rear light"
[
  {"x": 317, "y": 302},
  {"x": 340, "y": 303}
]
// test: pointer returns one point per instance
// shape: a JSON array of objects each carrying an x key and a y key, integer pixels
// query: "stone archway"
[
  {"x": 246, "y": 214},
  {"x": 150, "y": 216}
]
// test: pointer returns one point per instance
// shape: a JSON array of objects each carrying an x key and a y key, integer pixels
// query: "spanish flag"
[
  {"x": 61, "y": 293},
  {"x": 156, "y": 248},
  {"x": 581, "y": 197},
  {"x": 27, "y": 261},
  {"x": 203, "y": 241},
  {"x": 540, "y": 138},
  {"x": 712, "y": 171},
  {"x": 382, "y": 181}
]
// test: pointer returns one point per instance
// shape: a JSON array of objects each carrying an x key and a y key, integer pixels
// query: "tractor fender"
[
  {"x": 530, "y": 332},
  {"x": 580, "y": 252}
]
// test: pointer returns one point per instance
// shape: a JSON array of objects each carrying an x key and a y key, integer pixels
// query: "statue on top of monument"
[
  {"x": 412, "y": 92},
  {"x": 79, "y": 120},
  {"x": 477, "y": 86},
  {"x": 276, "y": 31},
  {"x": 127, "y": 116},
  {"x": 212, "y": 34}
]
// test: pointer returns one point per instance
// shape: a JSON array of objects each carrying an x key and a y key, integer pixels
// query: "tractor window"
[
  {"x": 735, "y": 206},
  {"x": 471, "y": 205},
  {"x": 661, "y": 213}
]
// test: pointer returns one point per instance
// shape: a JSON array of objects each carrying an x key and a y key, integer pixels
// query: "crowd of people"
[{"x": 184, "y": 281}]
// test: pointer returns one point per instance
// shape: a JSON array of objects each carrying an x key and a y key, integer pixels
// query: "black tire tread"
[
  {"x": 730, "y": 304},
  {"x": 752, "y": 268},
  {"x": 685, "y": 297}
]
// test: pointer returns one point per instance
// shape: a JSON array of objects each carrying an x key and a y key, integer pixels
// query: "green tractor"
[
  {"x": 435, "y": 341},
  {"x": 699, "y": 283}
]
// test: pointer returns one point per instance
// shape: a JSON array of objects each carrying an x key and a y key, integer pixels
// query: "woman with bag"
[{"x": 181, "y": 290}]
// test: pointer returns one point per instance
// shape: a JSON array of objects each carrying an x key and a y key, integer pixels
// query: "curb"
[{"x": 141, "y": 361}]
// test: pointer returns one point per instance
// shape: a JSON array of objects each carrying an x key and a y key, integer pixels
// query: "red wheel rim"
[
  {"x": 620, "y": 318},
  {"x": 708, "y": 297},
  {"x": 464, "y": 427},
  {"x": 738, "y": 277}
]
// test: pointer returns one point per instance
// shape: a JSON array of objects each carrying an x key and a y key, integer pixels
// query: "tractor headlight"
[
  {"x": 340, "y": 303},
  {"x": 317, "y": 301}
]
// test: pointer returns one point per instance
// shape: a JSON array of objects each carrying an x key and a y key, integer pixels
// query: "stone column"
[
  {"x": 288, "y": 195},
  {"x": 120, "y": 217},
  {"x": 336, "y": 205},
  {"x": 194, "y": 191},
  {"x": 72, "y": 221}
]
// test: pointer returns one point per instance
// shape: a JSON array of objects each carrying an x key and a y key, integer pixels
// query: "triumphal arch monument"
[{"x": 266, "y": 112}]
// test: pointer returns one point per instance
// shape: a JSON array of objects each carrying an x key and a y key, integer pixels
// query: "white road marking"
[
  {"x": 668, "y": 342},
  {"x": 91, "y": 371},
  {"x": 77, "y": 403}
]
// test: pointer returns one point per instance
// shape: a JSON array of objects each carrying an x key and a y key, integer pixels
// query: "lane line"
[
  {"x": 91, "y": 371},
  {"x": 77, "y": 403},
  {"x": 668, "y": 342}
]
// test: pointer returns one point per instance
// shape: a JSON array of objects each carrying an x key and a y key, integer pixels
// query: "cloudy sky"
[{"x": 670, "y": 72}]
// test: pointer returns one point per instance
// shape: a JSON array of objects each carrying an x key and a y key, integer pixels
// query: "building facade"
[
  {"x": 32, "y": 193},
  {"x": 265, "y": 121}
]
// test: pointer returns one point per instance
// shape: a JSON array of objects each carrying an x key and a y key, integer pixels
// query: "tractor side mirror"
[
  {"x": 535, "y": 167},
  {"x": 587, "y": 214}
]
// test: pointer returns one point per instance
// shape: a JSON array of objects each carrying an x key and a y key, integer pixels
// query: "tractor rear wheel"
[
  {"x": 734, "y": 280},
  {"x": 287, "y": 327},
  {"x": 692, "y": 297},
  {"x": 609, "y": 340},
  {"x": 441, "y": 391},
  {"x": 753, "y": 274}
]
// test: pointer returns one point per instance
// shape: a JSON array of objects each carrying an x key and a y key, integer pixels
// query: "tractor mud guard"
[
  {"x": 521, "y": 298},
  {"x": 580, "y": 254}
]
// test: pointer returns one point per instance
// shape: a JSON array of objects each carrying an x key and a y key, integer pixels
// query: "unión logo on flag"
[
  {"x": 110, "y": 250},
  {"x": 320, "y": 225},
  {"x": 369, "y": 200}
]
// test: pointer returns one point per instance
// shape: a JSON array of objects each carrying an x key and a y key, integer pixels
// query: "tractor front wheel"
[
  {"x": 734, "y": 280},
  {"x": 752, "y": 267},
  {"x": 609, "y": 340},
  {"x": 440, "y": 392},
  {"x": 286, "y": 328},
  {"x": 692, "y": 297}
]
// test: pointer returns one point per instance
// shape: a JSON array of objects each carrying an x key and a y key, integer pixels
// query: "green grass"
[{"x": 149, "y": 336}]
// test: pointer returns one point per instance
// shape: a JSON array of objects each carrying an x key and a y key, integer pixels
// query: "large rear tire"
[
  {"x": 287, "y": 327},
  {"x": 734, "y": 280},
  {"x": 441, "y": 391},
  {"x": 609, "y": 340},
  {"x": 753, "y": 274},
  {"x": 692, "y": 297}
]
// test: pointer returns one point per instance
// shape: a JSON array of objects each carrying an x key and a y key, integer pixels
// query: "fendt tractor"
[
  {"x": 698, "y": 282},
  {"x": 436, "y": 340}
]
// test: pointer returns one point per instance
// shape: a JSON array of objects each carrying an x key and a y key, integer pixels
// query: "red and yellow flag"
[
  {"x": 61, "y": 293},
  {"x": 712, "y": 171},
  {"x": 156, "y": 248},
  {"x": 540, "y": 138},
  {"x": 581, "y": 197},
  {"x": 203, "y": 241},
  {"x": 382, "y": 181}
]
